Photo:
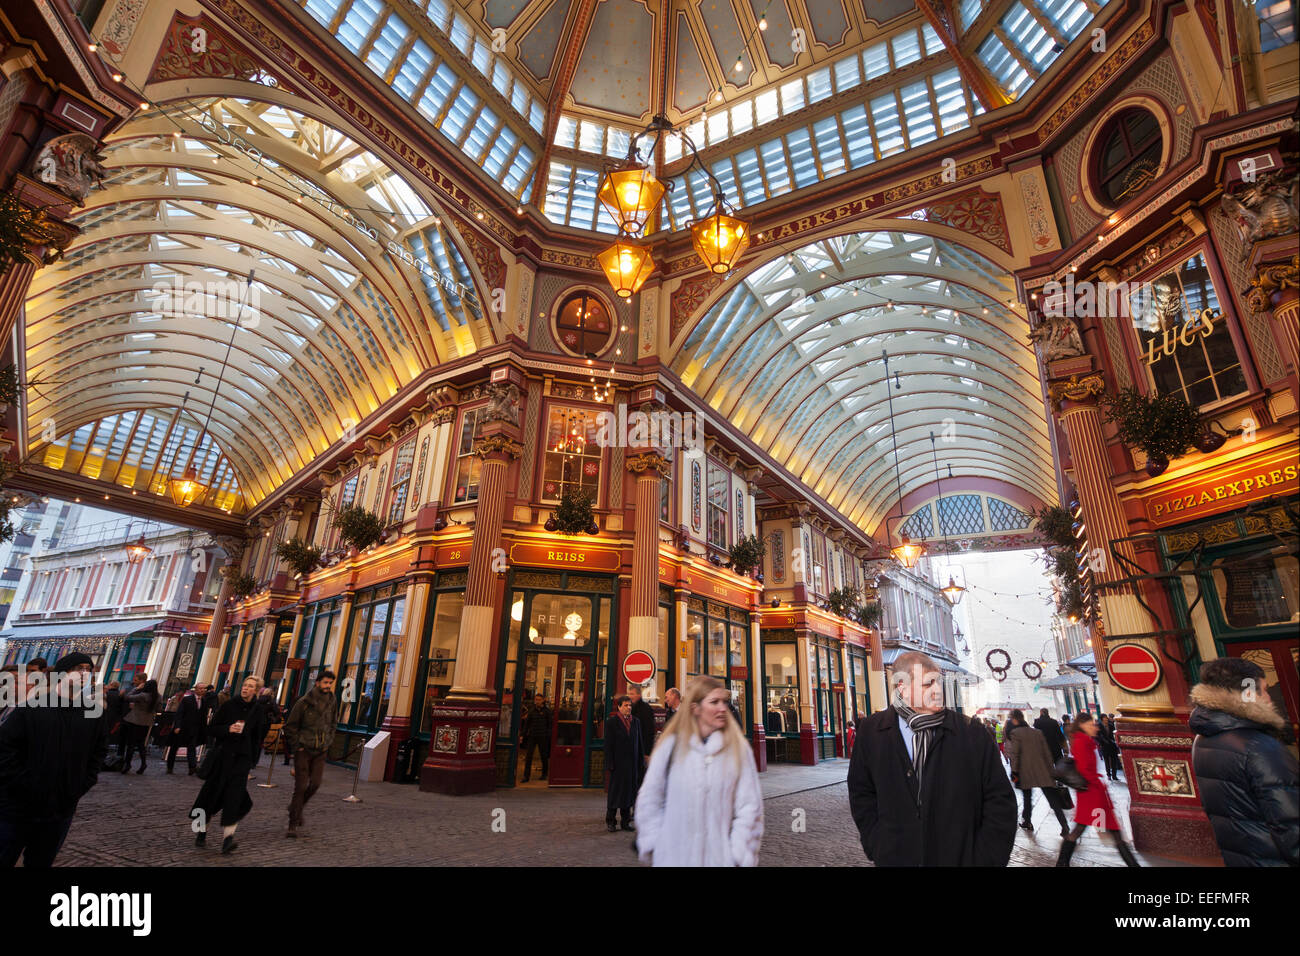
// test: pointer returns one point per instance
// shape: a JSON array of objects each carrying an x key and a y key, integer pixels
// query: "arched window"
[
  {"x": 1129, "y": 155},
  {"x": 583, "y": 324}
]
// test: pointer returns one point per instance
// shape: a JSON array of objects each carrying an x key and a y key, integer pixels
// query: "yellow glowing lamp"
[
  {"x": 907, "y": 553},
  {"x": 187, "y": 489},
  {"x": 953, "y": 591},
  {"x": 630, "y": 193},
  {"x": 138, "y": 552},
  {"x": 720, "y": 240},
  {"x": 626, "y": 266}
]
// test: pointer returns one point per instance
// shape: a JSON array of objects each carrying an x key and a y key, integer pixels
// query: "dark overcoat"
[
  {"x": 226, "y": 788},
  {"x": 965, "y": 812},
  {"x": 622, "y": 761}
]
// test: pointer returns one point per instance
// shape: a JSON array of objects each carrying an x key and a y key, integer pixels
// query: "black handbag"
[
  {"x": 1058, "y": 798},
  {"x": 1068, "y": 773},
  {"x": 209, "y": 762}
]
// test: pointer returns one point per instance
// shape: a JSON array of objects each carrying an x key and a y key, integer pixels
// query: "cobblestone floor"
[{"x": 141, "y": 820}]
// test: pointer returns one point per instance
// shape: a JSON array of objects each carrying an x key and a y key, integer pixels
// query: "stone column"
[
  {"x": 461, "y": 748},
  {"x": 1165, "y": 811},
  {"x": 1275, "y": 289},
  {"x": 805, "y": 655},
  {"x": 217, "y": 629},
  {"x": 398, "y": 719},
  {"x": 643, "y": 625},
  {"x": 758, "y": 692}
]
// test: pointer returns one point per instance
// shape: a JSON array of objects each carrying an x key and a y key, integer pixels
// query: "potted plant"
[
  {"x": 574, "y": 515},
  {"x": 843, "y": 601},
  {"x": 8, "y": 387},
  {"x": 1164, "y": 427},
  {"x": 747, "y": 554},
  {"x": 300, "y": 556},
  {"x": 358, "y": 527},
  {"x": 17, "y": 223},
  {"x": 1056, "y": 525},
  {"x": 869, "y": 614},
  {"x": 242, "y": 585}
]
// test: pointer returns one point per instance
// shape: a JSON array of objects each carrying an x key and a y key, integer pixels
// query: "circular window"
[
  {"x": 583, "y": 324},
  {"x": 1129, "y": 155}
]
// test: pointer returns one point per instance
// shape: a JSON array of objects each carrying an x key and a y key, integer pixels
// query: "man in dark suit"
[
  {"x": 622, "y": 762},
  {"x": 1051, "y": 732},
  {"x": 188, "y": 730},
  {"x": 926, "y": 786},
  {"x": 645, "y": 715}
]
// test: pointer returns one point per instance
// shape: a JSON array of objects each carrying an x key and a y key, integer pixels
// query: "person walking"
[
  {"x": 1031, "y": 767},
  {"x": 701, "y": 803},
  {"x": 622, "y": 762},
  {"x": 188, "y": 729},
  {"x": 268, "y": 714},
  {"x": 232, "y": 733},
  {"x": 1109, "y": 750},
  {"x": 926, "y": 787},
  {"x": 138, "y": 721},
  {"x": 1092, "y": 807},
  {"x": 50, "y": 757},
  {"x": 308, "y": 733},
  {"x": 535, "y": 732},
  {"x": 645, "y": 716},
  {"x": 1000, "y": 735},
  {"x": 672, "y": 703},
  {"x": 120, "y": 709},
  {"x": 1247, "y": 773},
  {"x": 1051, "y": 732}
]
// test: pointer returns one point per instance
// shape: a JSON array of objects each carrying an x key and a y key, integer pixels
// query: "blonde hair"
[{"x": 681, "y": 728}]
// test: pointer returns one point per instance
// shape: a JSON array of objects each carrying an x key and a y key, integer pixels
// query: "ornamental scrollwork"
[
  {"x": 1270, "y": 279},
  {"x": 497, "y": 445},
  {"x": 1076, "y": 389},
  {"x": 645, "y": 462}
]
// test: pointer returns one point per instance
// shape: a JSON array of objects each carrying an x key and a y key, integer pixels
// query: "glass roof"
[
  {"x": 357, "y": 287},
  {"x": 791, "y": 354}
]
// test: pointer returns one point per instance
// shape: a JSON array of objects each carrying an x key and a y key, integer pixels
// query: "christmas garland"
[
  {"x": 999, "y": 670},
  {"x": 1035, "y": 666}
]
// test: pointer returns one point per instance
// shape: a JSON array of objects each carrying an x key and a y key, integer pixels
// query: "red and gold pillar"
[
  {"x": 1165, "y": 809},
  {"x": 216, "y": 630},
  {"x": 462, "y": 742}
]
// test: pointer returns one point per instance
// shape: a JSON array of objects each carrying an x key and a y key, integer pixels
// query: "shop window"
[
  {"x": 320, "y": 622},
  {"x": 719, "y": 483},
  {"x": 557, "y": 620},
  {"x": 1128, "y": 158},
  {"x": 370, "y": 657},
  {"x": 858, "y": 677},
  {"x": 1184, "y": 337},
  {"x": 469, "y": 466},
  {"x": 715, "y": 644},
  {"x": 440, "y": 656},
  {"x": 1257, "y": 590},
  {"x": 584, "y": 325},
  {"x": 665, "y": 500},
  {"x": 572, "y": 459},
  {"x": 781, "y": 680},
  {"x": 401, "y": 481}
]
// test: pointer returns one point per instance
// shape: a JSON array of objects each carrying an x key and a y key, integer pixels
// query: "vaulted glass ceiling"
[
  {"x": 145, "y": 303},
  {"x": 792, "y": 355}
]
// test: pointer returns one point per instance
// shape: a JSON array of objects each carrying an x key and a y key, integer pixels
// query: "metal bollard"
[
  {"x": 356, "y": 774},
  {"x": 275, "y": 747}
]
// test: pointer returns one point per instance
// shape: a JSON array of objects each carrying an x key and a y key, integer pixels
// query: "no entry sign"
[
  {"x": 638, "y": 667},
  {"x": 1133, "y": 667}
]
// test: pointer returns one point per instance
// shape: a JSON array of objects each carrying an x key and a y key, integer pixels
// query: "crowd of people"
[{"x": 927, "y": 786}]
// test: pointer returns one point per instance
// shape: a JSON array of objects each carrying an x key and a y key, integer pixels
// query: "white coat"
[{"x": 702, "y": 812}]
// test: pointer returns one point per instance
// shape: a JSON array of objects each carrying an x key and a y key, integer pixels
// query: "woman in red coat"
[{"x": 1092, "y": 807}]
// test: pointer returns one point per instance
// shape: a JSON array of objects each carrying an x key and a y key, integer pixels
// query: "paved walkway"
[{"x": 141, "y": 820}]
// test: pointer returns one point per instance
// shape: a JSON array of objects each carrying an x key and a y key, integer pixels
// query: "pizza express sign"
[{"x": 1224, "y": 489}]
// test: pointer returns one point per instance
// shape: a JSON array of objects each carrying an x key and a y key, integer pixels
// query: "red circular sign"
[
  {"x": 638, "y": 667},
  {"x": 1133, "y": 667}
]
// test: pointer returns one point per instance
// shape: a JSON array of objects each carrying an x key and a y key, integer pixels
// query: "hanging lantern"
[
  {"x": 953, "y": 592},
  {"x": 137, "y": 552},
  {"x": 720, "y": 240},
  {"x": 187, "y": 489},
  {"x": 907, "y": 553},
  {"x": 630, "y": 193},
  {"x": 626, "y": 266}
]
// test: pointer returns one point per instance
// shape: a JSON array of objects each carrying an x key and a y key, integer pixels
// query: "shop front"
[
  {"x": 716, "y": 643},
  {"x": 556, "y": 644},
  {"x": 321, "y": 623},
  {"x": 368, "y": 666},
  {"x": 781, "y": 706},
  {"x": 829, "y": 706}
]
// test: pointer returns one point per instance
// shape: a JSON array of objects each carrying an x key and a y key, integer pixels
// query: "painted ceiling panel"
[
  {"x": 829, "y": 21},
  {"x": 691, "y": 85},
  {"x": 727, "y": 41},
  {"x": 882, "y": 11},
  {"x": 615, "y": 61},
  {"x": 538, "y": 47},
  {"x": 778, "y": 38},
  {"x": 502, "y": 13}
]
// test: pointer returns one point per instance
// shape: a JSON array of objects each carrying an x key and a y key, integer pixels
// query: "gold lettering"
[
  {"x": 1207, "y": 322},
  {"x": 1290, "y": 472},
  {"x": 1206, "y": 498},
  {"x": 1276, "y": 475},
  {"x": 1187, "y": 329},
  {"x": 1220, "y": 492}
]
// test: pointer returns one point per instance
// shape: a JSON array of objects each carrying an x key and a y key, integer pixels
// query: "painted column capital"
[
  {"x": 1270, "y": 278},
  {"x": 643, "y": 464},
  {"x": 497, "y": 448},
  {"x": 1080, "y": 390}
]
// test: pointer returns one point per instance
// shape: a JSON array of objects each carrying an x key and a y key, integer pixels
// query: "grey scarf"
[{"x": 922, "y": 726}]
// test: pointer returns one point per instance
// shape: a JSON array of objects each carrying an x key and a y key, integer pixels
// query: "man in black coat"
[
  {"x": 926, "y": 786},
  {"x": 535, "y": 733},
  {"x": 189, "y": 728},
  {"x": 1051, "y": 732},
  {"x": 51, "y": 752},
  {"x": 645, "y": 716},
  {"x": 622, "y": 762},
  {"x": 1247, "y": 774}
]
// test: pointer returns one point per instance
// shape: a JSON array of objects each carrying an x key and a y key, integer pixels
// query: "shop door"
[
  {"x": 569, "y": 702},
  {"x": 1279, "y": 661}
]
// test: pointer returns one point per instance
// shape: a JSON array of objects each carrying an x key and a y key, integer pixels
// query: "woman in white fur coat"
[{"x": 700, "y": 803}]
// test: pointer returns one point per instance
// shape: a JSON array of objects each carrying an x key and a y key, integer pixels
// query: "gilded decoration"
[
  {"x": 648, "y": 462},
  {"x": 1076, "y": 389},
  {"x": 1096, "y": 80},
  {"x": 444, "y": 415},
  {"x": 1269, "y": 279},
  {"x": 1264, "y": 208},
  {"x": 1138, "y": 740},
  {"x": 198, "y": 47},
  {"x": 71, "y": 164},
  {"x": 975, "y": 212},
  {"x": 1163, "y": 778},
  {"x": 497, "y": 445},
  {"x": 1153, "y": 252},
  {"x": 486, "y": 255},
  {"x": 689, "y": 297}
]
